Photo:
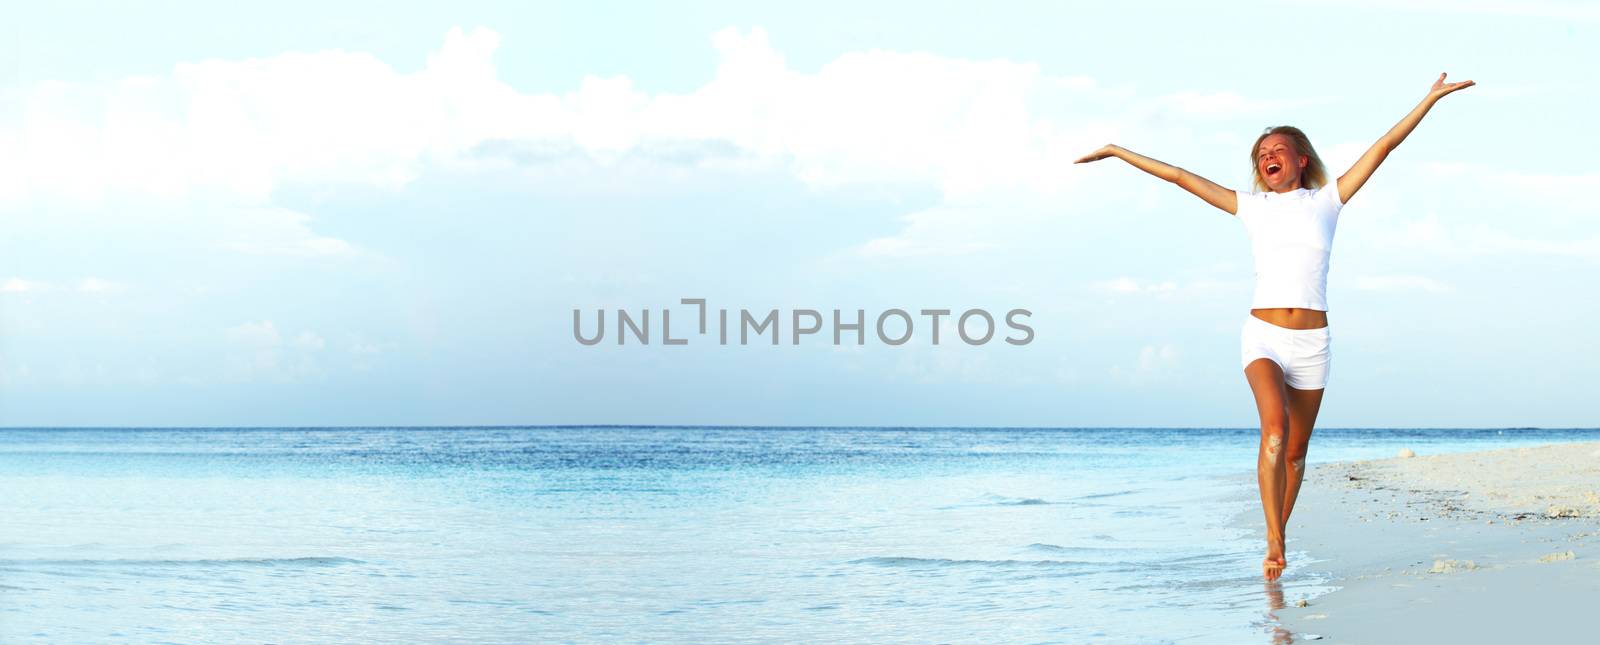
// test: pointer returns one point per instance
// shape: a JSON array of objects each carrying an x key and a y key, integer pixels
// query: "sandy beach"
[{"x": 1480, "y": 547}]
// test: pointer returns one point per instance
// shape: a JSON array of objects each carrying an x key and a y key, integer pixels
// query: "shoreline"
[{"x": 1473, "y": 547}]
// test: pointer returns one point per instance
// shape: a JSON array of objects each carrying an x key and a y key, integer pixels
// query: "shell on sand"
[{"x": 1557, "y": 510}]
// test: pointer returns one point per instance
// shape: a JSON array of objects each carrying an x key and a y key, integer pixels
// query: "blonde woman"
[{"x": 1290, "y": 217}]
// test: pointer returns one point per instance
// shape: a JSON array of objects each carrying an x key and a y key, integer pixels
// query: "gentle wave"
[
  {"x": 310, "y": 561},
  {"x": 1028, "y": 501},
  {"x": 990, "y": 499},
  {"x": 1056, "y": 548},
  {"x": 897, "y": 561},
  {"x": 1110, "y": 494}
]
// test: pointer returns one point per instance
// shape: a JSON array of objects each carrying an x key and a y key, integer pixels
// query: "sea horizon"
[{"x": 759, "y": 427}]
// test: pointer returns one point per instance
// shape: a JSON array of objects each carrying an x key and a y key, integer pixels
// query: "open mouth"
[{"x": 1273, "y": 169}]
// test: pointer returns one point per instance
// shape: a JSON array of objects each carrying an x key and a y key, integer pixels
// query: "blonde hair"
[{"x": 1315, "y": 174}]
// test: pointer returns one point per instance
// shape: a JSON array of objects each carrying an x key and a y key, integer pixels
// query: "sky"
[{"x": 339, "y": 214}]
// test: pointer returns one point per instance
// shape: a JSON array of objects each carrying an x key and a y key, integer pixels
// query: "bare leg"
[
  {"x": 1303, "y": 407},
  {"x": 1266, "y": 383}
]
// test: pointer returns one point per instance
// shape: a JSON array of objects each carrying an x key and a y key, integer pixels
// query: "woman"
[{"x": 1290, "y": 218}]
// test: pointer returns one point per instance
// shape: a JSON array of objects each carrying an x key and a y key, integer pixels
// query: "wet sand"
[{"x": 1478, "y": 547}]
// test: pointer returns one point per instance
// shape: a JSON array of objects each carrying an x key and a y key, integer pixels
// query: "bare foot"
[
  {"x": 1273, "y": 565},
  {"x": 1272, "y": 568}
]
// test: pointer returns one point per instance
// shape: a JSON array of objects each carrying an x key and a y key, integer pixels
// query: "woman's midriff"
[{"x": 1293, "y": 318}]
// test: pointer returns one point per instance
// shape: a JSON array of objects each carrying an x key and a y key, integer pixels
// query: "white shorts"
[{"x": 1303, "y": 354}]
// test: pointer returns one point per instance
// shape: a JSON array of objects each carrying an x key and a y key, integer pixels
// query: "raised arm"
[
  {"x": 1352, "y": 180},
  {"x": 1203, "y": 188}
]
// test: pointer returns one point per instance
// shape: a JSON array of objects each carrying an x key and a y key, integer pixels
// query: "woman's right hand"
[
  {"x": 1441, "y": 88},
  {"x": 1107, "y": 150}
]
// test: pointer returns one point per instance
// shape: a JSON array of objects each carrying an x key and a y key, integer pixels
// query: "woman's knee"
[
  {"x": 1275, "y": 425},
  {"x": 1295, "y": 448},
  {"x": 1273, "y": 438},
  {"x": 1296, "y": 459}
]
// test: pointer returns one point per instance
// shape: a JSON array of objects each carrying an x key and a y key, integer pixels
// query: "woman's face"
[{"x": 1278, "y": 163}]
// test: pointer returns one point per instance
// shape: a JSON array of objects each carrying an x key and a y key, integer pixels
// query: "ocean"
[{"x": 652, "y": 534}]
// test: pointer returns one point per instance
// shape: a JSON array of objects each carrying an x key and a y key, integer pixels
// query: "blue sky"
[{"x": 326, "y": 215}]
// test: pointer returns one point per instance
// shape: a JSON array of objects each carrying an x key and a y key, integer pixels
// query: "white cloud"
[
  {"x": 231, "y": 132},
  {"x": 275, "y": 231},
  {"x": 938, "y": 231},
  {"x": 995, "y": 137},
  {"x": 1572, "y": 190},
  {"x": 308, "y": 340},
  {"x": 255, "y": 334},
  {"x": 1484, "y": 240},
  {"x": 15, "y": 375},
  {"x": 1430, "y": 233},
  {"x": 1130, "y": 285},
  {"x": 1388, "y": 283},
  {"x": 98, "y": 285},
  {"x": 246, "y": 127},
  {"x": 1226, "y": 104},
  {"x": 1557, "y": 9},
  {"x": 261, "y": 352},
  {"x": 1550, "y": 194},
  {"x": 1152, "y": 357},
  {"x": 363, "y": 353},
  {"x": 19, "y": 285},
  {"x": 1154, "y": 363},
  {"x": 365, "y": 348},
  {"x": 86, "y": 285},
  {"x": 926, "y": 364}
]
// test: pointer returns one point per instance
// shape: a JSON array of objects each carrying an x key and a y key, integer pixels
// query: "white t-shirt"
[{"x": 1291, "y": 235}]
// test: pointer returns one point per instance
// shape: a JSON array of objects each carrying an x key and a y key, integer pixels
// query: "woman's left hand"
[{"x": 1441, "y": 88}]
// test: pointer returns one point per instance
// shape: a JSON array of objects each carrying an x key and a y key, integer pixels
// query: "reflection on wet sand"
[{"x": 1274, "y": 603}]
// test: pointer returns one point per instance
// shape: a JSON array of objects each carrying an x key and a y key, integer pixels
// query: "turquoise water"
[{"x": 654, "y": 534}]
